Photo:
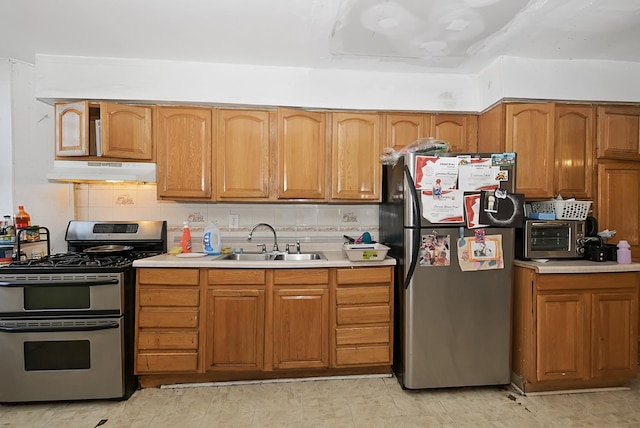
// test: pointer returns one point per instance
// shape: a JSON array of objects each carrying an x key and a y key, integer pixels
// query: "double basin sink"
[{"x": 289, "y": 257}]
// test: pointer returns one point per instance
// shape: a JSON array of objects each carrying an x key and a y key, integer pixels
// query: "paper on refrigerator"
[
  {"x": 448, "y": 207},
  {"x": 479, "y": 174}
]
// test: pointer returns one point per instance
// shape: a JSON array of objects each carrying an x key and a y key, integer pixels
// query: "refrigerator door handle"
[
  {"x": 415, "y": 255},
  {"x": 415, "y": 204}
]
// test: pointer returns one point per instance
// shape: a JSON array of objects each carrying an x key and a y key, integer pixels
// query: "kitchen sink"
[
  {"x": 300, "y": 257},
  {"x": 250, "y": 257},
  {"x": 255, "y": 257}
]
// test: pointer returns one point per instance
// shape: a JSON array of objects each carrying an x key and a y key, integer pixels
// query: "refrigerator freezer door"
[
  {"x": 457, "y": 324},
  {"x": 402, "y": 177}
]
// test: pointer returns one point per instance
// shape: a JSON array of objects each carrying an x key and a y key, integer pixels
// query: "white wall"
[
  {"x": 31, "y": 141},
  {"x": 6, "y": 148},
  {"x": 519, "y": 78},
  {"x": 63, "y": 77}
]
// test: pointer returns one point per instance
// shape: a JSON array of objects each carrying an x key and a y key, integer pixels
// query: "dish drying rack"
[{"x": 563, "y": 210}]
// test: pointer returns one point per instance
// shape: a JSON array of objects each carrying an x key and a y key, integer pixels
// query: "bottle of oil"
[{"x": 23, "y": 219}]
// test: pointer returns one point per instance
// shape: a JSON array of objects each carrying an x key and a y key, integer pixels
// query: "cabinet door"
[
  {"x": 242, "y": 159},
  {"x": 574, "y": 152},
  {"x": 614, "y": 345},
  {"x": 619, "y": 202},
  {"x": 562, "y": 353},
  {"x": 235, "y": 329},
  {"x": 300, "y": 328},
  {"x": 127, "y": 131},
  {"x": 184, "y": 152},
  {"x": 72, "y": 125},
  {"x": 530, "y": 133},
  {"x": 302, "y": 154},
  {"x": 460, "y": 131},
  {"x": 619, "y": 132},
  {"x": 403, "y": 129},
  {"x": 355, "y": 152}
]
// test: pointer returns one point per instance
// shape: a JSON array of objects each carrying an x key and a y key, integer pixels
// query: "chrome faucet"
[{"x": 275, "y": 238}]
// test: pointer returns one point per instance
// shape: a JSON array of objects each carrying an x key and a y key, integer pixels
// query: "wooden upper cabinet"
[
  {"x": 71, "y": 129},
  {"x": 127, "y": 131},
  {"x": 402, "y": 129},
  {"x": 530, "y": 133},
  {"x": 243, "y": 154},
  {"x": 574, "y": 150},
  {"x": 184, "y": 152},
  {"x": 528, "y": 130},
  {"x": 302, "y": 148},
  {"x": 355, "y": 153},
  {"x": 619, "y": 202},
  {"x": 619, "y": 132},
  {"x": 459, "y": 130}
]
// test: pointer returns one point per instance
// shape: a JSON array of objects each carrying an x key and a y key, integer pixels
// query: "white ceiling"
[{"x": 460, "y": 36}]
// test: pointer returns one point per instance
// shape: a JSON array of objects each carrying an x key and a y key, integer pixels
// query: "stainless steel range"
[{"x": 67, "y": 320}]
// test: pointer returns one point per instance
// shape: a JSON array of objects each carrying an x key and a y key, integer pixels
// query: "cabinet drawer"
[
  {"x": 236, "y": 276},
  {"x": 361, "y": 335},
  {"x": 357, "y": 295},
  {"x": 168, "y": 340},
  {"x": 169, "y": 296},
  {"x": 169, "y": 276},
  {"x": 363, "y": 314},
  {"x": 363, "y": 355},
  {"x": 167, "y": 362},
  {"x": 301, "y": 276},
  {"x": 588, "y": 281},
  {"x": 167, "y": 318},
  {"x": 364, "y": 275}
]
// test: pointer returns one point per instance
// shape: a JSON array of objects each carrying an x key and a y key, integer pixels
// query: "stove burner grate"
[{"x": 80, "y": 260}]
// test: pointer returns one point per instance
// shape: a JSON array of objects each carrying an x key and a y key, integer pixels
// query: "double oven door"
[{"x": 63, "y": 336}]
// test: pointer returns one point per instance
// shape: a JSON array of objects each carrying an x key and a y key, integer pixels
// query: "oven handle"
[
  {"x": 58, "y": 282},
  {"x": 9, "y": 329}
]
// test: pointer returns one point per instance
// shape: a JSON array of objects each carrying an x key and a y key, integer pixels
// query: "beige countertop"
[
  {"x": 577, "y": 266},
  {"x": 334, "y": 258}
]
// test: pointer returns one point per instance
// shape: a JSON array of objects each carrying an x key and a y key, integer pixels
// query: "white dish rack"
[
  {"x": 563, "y": 210},
  {"x": 365, "y": 252}
]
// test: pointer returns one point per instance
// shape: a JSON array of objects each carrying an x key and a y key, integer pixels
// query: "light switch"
[{"x": 234, "y": 221}]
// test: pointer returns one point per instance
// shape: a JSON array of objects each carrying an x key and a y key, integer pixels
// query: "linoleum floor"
[{"x": 371, "y": 402}]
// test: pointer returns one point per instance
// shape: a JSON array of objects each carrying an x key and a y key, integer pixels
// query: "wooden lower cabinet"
[
  {"x": 235, "y": 319},
  {"x": 262, "y": 323},
  {"x": 364, "y": 310},
  {"x": 573, "y": 331},
  {"x": 301, "y": 318},
  {"x": 167, "y": 321}
]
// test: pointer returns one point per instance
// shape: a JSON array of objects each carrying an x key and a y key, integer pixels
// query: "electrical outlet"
[{"x": 234, "y": 221}]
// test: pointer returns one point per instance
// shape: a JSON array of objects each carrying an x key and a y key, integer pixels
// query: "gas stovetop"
[
  {"x": 81, "y": 261},
  {"x": 131, "y": 240}
]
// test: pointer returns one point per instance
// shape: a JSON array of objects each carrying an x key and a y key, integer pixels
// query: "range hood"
[{"x": 92, "y": 171}]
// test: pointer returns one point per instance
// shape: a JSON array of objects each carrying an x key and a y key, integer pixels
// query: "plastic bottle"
[
  {"x": 211, "y": 239},
  {"x": 23, "y": 219},
  {"x": 624, "y": 253},
  {"x": 185, "y": 242}
]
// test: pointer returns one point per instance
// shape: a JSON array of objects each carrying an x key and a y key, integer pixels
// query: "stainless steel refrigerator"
[{"x": 452, "y": 326}]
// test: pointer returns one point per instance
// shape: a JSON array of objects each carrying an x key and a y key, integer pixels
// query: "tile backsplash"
[{"x": 303, "y": 222}]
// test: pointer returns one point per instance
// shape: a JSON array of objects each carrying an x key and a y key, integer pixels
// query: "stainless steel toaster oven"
[{"x": 551, "y": 239}]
